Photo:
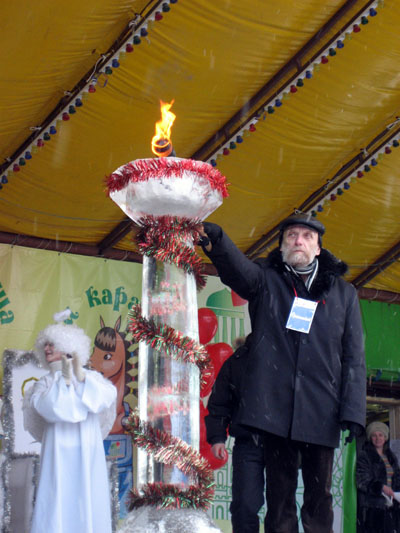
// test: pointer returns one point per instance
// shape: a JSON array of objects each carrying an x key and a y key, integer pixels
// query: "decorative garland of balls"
[
  {"x": 141, "y": 31},
  {"x": 103, "y": 68},
  {"x": 364, "y": 168},
  {"x": 171, "y": 450},
  {"x": 292, "y": 87}
]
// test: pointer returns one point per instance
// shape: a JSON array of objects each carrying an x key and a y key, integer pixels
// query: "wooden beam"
[
  {"x": 125, "y": 255},
  {"x": 379, "y": 295},
  {"x": 379, "y": 265},
  {"x": 68, "y": 247},
  {"x": 383, "y": 401},
  {"x": 116, "y": 235}
]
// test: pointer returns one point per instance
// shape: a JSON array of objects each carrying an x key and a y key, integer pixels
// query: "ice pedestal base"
[{"x": 152, "y": 520}]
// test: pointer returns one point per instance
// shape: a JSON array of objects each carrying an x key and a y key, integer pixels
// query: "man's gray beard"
[{"x": 303, "y": 259}]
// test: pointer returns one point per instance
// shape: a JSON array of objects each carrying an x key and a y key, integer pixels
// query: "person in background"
[
  {"x": 70, "y": 410},
  {"x": 305, "y": 378},
  {"x": 378, "y": 478},
  {"x": 248, "y": 464}
]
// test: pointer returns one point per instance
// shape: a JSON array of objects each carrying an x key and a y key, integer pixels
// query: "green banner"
[{"x": 35, "y": 284}]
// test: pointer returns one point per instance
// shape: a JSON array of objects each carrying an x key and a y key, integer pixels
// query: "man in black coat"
[
  {"x": 306, "y": 374},
  {"x": 248, "y": 462}
]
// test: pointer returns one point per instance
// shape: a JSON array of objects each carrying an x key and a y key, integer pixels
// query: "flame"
[{"x": 161, "y": 144}]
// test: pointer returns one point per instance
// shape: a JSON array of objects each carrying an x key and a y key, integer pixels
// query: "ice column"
[{"x": 168, "y": 389}]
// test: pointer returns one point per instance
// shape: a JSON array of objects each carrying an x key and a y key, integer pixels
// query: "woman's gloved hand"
[
  {"x": 66, "y": 368},
  {"x": 78, "y": 368}
]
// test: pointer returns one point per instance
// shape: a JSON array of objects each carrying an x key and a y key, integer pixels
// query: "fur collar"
[
  {"x": 330, "y": 267},
  {"x": 374, "y": 456}
]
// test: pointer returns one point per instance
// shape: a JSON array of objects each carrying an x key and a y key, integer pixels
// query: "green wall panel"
[{"x": 381, "y": 322}]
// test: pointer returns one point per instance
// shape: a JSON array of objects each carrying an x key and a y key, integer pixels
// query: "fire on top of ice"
[
  {"x": 161, "y": 144},
  {"x": 167, "y": 185}
]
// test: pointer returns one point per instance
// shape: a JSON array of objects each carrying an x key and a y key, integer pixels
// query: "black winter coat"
[
  {"x": 223, "y": 404},
  {"x": 298, "y": 385},
  {"x": 371, "y": 476}
]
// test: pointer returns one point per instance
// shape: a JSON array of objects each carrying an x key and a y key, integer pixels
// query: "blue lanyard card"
[{"x": 301, "y": 315}]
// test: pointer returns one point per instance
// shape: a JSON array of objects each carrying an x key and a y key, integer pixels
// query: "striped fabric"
[{"x": 389, "y": 470}]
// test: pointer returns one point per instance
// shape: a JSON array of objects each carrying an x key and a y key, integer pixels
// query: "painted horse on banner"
[{"x": 110, "y": 357}]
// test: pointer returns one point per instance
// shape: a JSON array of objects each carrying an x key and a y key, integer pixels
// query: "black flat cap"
[{"x": 303, "y": 220}]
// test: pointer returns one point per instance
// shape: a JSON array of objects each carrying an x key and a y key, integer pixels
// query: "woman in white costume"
[{"x": 70, "y": 410}]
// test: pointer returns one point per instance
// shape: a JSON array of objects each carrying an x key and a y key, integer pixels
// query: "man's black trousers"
[
  {"x": 283, "y": 457},
  {"x": 248, "y": 485}
]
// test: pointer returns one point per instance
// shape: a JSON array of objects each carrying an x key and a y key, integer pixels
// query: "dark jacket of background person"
[
  {"x": 248, "y": 459},
  {"x": 297, "y": 385},
  {"x": 223, "y": 404},
  {"x": 371, "y": 476}
]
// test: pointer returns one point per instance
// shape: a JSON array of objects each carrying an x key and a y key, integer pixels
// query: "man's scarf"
[{"x": 309, "y": 270}]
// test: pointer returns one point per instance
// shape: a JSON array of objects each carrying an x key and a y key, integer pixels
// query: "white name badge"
[{"x": 301, "y": 315}]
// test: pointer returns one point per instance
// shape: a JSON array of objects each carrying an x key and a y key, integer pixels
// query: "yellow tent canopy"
[{"x": 296, "y": 103}]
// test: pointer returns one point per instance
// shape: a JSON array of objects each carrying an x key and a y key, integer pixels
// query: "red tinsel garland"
[
  {"x": 165, "y": 167},
  {"x": 172, "y": 342},
  {"x": 171, "y": 450},
  {"x": 163, "y": 238},
  {"x": 170, "y": 239}
]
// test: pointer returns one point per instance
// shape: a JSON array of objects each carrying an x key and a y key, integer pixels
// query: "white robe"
[{"x": 73, "y": 494}]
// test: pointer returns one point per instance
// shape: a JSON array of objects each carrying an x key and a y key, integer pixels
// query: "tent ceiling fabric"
[{"x": 212, "y": 58}]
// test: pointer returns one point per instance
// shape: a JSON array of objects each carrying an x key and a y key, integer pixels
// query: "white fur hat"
[
  {"x": 377, "y": 426},
  {"x": 65, "y": 338}
]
